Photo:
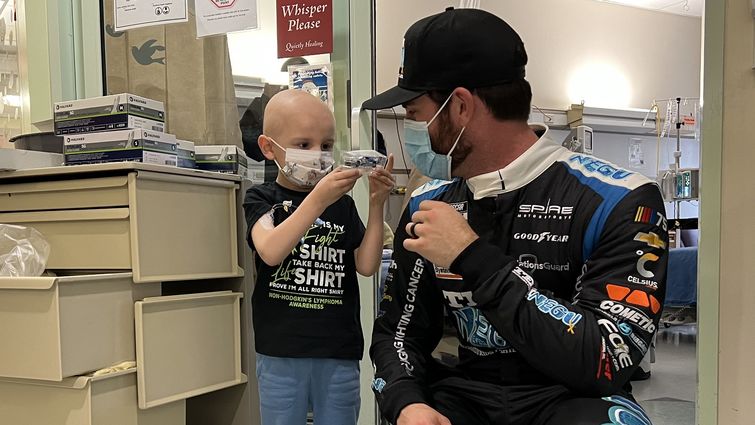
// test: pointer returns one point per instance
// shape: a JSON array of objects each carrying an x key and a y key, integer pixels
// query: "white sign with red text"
[
  {"x": 224, "y": 16},
  {"x": 130, "y": 14}
]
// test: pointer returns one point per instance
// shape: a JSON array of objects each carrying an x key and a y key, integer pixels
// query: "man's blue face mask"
[{"x": 417, "y": 140}]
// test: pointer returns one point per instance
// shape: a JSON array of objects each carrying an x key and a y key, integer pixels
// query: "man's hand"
[
  {"x": 381, "y": 183},
  {"x": 421, "y": 414},
  {"x": 333, "y": 186},
  {"x": 438, "y": 232}
]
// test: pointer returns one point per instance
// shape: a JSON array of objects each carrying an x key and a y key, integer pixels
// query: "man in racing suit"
[{"x": 551, "y": 264}]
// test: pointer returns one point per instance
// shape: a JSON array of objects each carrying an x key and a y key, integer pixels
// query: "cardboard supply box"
[
  {"x": 150, "y": 147},
  {"x": 191, "y": 76},
  {"x": 186, "y": 154},
  {"x": 223, "y": 159},
  {"x": 21, "y": 159},
  {"x": 104, "y": 113}
]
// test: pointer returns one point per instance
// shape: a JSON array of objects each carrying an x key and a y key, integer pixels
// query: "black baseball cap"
[{"x": 468, "y": 48}]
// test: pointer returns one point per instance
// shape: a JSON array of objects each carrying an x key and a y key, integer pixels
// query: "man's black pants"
[{"x": 467, "y": 402}]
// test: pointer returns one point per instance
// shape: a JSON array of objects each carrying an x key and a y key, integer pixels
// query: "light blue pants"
[{"x": 290, "y": 387}]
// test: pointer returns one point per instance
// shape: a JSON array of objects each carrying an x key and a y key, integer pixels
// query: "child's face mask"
[{"x": 305, "y": 167}]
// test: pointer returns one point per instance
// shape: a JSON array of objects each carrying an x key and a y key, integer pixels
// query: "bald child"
[{"x": 310, "y": 244}]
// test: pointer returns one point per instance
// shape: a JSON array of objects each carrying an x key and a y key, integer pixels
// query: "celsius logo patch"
[
  {"x": 653, "y": 241},
  {"x": 651, "y": 284}
]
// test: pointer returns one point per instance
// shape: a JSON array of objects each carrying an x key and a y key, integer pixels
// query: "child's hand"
[
  {"x": 381, "y": 183},
  {"x": 333, "y": 186}
]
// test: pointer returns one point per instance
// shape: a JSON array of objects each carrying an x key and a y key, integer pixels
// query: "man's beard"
[{"x": 445, "y": 138}]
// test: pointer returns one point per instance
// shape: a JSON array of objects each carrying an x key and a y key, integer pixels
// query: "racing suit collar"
[{"x": 521, "y": 171}]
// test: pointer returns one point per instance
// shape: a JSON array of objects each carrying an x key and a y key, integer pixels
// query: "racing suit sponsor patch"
[
  {"x": 625, "y": 412},
  {"x": 634, "y": 297},
  {"x": 616, "y": 342},
  {"x": 476, "y": 330},
  {"x": 459, "y": 299},
  {"x": 631, "y": 315},
  {"x": 647, "y": 215},
  {"x": 406, "y": 316},
  {"x": 647, "y": 258},
  {"x": 545, "y": 211},
  {"x": 378, "y": 384},
  {"x": 530, "y": 264},
  {"x": 542, "y": 237},
  {"x": 595, "y": 165},
  {"x": 443, "y": 272},
  {"x": 523, "y": 276},
  {"x": 554, "y": 309}
]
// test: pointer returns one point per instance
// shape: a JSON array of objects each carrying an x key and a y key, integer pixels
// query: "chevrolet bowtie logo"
[{"x": 651, "y": 239}]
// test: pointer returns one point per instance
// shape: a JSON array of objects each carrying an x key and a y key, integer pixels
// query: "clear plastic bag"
[
  {"x": 364, "y": 160},
  {"x": 23, "y": 251}
]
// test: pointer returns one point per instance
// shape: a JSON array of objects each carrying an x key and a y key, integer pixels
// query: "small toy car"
[{"x": 364, "y": 160}]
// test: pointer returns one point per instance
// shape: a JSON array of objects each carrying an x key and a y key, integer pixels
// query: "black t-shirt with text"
[{"x": 308, "y": 305}]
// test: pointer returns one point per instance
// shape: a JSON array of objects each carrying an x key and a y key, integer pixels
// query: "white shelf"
[{"x": 621, "y": 121}]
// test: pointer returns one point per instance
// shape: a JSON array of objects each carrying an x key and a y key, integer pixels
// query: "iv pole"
[{"x": 678, "y": 153}]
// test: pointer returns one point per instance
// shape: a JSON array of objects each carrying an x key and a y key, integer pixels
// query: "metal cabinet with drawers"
[
  {"x": 118, "y": 232},
  {"x": 163, "y": 224},
  {"x": 58, "y": 327}
]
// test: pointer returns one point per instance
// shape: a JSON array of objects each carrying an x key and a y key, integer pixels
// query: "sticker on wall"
[
  {"x": 130, "y": 14},
  {"x": 317, "y": 80},
  {"x": 224, "y": 16},
  {"x": 147, "y": 53},
  {"x": 636, "y": 155}
]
